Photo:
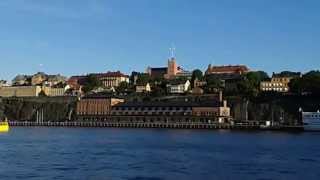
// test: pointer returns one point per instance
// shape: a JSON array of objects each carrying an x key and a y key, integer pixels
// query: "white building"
[
  {"x": 143, "y": 88},
  {"x": 179, "y": 87}
]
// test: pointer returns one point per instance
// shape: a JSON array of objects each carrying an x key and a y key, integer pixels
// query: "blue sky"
[{"x": 79, "y": 36}]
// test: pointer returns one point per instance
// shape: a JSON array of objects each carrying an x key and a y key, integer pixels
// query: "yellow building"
[
  {"x": 20, "y": 91},
  {"x": 49, "y": 91},
  {"x": 112, "y": 79},
  {"x": 31, "y": 91},
  {"x": 277, "y": 84},
  {"x": 38, "y": 78}
]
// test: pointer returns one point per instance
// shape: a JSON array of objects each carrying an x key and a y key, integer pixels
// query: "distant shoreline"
[{"x": 154, "y": 125}]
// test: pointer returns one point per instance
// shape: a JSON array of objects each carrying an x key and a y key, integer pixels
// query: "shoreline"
[{"x": 154, "y": 125}]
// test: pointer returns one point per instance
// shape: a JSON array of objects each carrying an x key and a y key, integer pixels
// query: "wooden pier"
[{"x": 151, "y": 125}]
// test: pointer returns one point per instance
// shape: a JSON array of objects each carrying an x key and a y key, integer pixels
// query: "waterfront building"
[
  {"x": 279, "y": 82},
  {"x": 20, "y": 91},
  {"x": 143, "y": 88},
  {"x": 96, "y": 106},
  {"x": 112, "y": 79},
  {"x": 178, "y": 87},
  {"x": 227, "y": 70},
  {"x": 196, "y": 112}
]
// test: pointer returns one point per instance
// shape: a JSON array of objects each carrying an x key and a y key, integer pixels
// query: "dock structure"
[{"x": 151, "y": 125}]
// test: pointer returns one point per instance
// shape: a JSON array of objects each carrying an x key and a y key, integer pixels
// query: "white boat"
[{"x": 311, "y": 121}]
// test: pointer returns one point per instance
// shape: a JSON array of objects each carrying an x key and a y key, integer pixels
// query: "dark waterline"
[{"x": 156, "y": 154}]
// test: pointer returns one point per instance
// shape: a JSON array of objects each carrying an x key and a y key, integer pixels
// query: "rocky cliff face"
[{"x": 26, "y": 109}]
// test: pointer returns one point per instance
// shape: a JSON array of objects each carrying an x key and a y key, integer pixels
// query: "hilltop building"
[
  {"x": 112, "y": 79},
  {"x": 53, "y": 80},
  {"x": 21, "y": 80},
  {"x": 3, "y": 83},
  {"x": 142, "y": 88},
  {"x": 38, "y": 79},
  {"x": 75, "y": 82},
  {"x": 178, "y": 87},
  {"x": 157, "y": 72},
  {"x": 279, "y": 82},
  {"x": 109, "y": 80},
  {"x": 227, "y": 70},
  {"x": 172, "y": 71}
]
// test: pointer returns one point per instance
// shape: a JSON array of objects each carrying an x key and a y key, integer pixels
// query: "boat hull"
[
  {"x": 311, "y": 121},
  {"x": 311, "y": 127}
]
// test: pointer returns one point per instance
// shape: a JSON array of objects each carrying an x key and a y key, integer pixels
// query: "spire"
[{"x": 172, "y": 51}]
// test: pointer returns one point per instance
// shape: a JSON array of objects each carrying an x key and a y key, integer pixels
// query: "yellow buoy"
[{"x": 4, "y": 126}]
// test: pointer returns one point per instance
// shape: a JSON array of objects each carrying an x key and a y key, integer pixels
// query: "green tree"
[
  {"x": 143, "y": 78},
  {"x": 255, "y": 78},
  {"x": 213, "y": 85},
  {"x": 196, "y": 74},
  {"x": 158, "y": 91},
  {"x": 123, "y": 87},
  {"x": 91, "y": 82},
  {"x": 308, "y": 83},
  {"x": 249, "y": 85}
]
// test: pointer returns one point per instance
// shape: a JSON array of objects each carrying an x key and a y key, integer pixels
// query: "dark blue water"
[{"x": 151, "y": 154}]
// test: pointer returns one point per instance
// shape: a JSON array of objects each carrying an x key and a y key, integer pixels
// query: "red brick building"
[{"x": 96, "y": 106}]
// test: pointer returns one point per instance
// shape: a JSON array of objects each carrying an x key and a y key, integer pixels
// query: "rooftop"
[
  {"x": 111, "y": 74},
  {"x": 228, "y": 68},
  {"x": 170, "y": 104}
]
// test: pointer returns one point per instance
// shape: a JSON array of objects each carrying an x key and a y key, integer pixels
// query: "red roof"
[{"x": 227, "y": 69}]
